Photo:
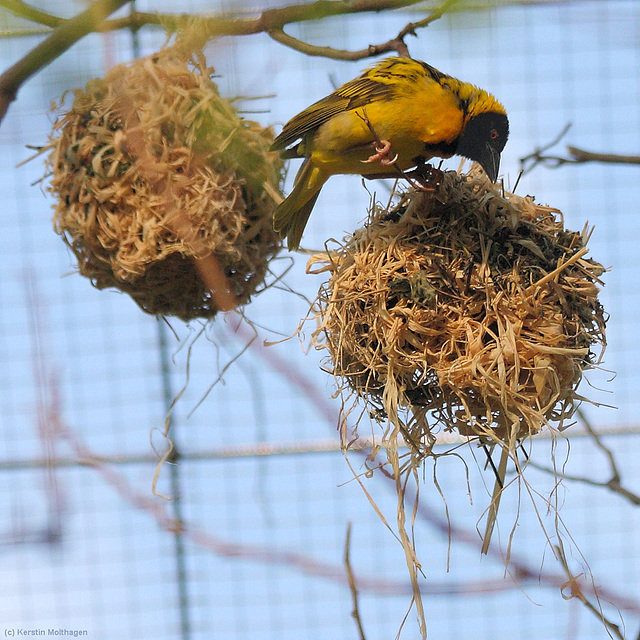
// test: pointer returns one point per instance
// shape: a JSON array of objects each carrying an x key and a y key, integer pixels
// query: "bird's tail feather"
[{"x": 290, "y": 218}]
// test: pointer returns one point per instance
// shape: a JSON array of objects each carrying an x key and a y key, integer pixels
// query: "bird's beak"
[{"x": 490, "y": 162}]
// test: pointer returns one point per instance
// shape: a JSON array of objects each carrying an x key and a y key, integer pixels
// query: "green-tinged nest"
[
  {"x": 152, "y": 170},
  {"x": 465, "y": 309}
]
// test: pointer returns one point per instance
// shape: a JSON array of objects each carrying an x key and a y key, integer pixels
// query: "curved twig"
[{"x": 396, "y": 44}]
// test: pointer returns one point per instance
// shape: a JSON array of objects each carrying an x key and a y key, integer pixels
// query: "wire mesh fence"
[{"x": 252, "y": 543}]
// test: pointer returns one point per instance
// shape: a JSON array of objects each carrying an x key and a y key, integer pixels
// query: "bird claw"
[
  {"x": 428, "y": 177},
  {"x": 381, "y": 155}
]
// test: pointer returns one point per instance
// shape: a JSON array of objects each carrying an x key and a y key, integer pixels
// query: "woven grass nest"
[
  {"x": 462, "y": 308},
  {"x": 152, "y": 169}
]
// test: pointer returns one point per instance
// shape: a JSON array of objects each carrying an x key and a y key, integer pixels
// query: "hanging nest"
[
  {"x": 464, "y": 309},
  {"x": 152, "y": 170}
]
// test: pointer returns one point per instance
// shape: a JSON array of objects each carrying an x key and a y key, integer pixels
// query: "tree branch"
[
  {"x": 23, "y": 10},
  {"x": 63, "y": 37},
  {"x": 580, "y": 155},
  {"x": 227, "y": 25},
  {"x": 436, "y": 14},
  {"x": 272, "y": 21},
  {"x": 353, "y": 587},
  {"x": 338, "y": 54},
  {"x": 396, "y": 44},
  {"x": 573, "y": 589},
  {"x": 614, "y": 483},
  {"x": 576, "y": 156}
]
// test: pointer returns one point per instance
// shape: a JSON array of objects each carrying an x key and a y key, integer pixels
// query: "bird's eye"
[{"x": 493, "y": 134}]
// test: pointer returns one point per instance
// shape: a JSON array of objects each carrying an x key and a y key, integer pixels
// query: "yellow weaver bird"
[{"x": 406, "y": 112}]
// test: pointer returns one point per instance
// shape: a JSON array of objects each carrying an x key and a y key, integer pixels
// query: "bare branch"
[
  {"x": 576, "y": 156},
  {"x": 436, "y": 14},
  {"x": 229, "y": 25},
  {"x": 272, "y": 21},
  {"x": 573, "y": 589},
  {"x": 523, "y": 571},
  {"x": 528, "y": 163},
  {"x": 580, "y": 155},
  {"x": 63, "y": 37},
  {"x": 353, "y": 587},
  {"x": 614, "y": 483},
  {"x": 396, "y": 44}
]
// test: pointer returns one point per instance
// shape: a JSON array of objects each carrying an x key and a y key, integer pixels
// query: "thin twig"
[
  {"x": 613, "y": 484},
  {"x": 528, "y": 163},
  {"x": 576, "y": 156},
  {"x": 519, "y": 567},
  {"x": 338, "y": 54},
  {"x": 353, "y": 587},
  {"x": 596, "y": 437},
  {"x": 396, "y": 44},
  {"x": 436, "y": 14},
  {"x": 580, "y": 156},
  {"x": 572, "y": 589}
]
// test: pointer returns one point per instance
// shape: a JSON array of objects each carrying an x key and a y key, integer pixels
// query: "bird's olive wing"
[{"x": 356, "y": 93}]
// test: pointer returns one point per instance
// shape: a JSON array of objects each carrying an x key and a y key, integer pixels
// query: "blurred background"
[{"x": 252, "y": 544}]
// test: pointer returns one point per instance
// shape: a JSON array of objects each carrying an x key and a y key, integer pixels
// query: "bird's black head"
[{"x": 483, "y": 140}]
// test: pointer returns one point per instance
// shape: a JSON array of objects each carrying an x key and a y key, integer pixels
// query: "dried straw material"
[
  {"x": 153, "y": 171},
  {"x": 462, "y": 308}
]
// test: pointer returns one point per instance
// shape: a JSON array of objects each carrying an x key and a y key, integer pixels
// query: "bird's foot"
[
  {"x": 426, "y": 176},
  {"x": 383, "y": 151}
]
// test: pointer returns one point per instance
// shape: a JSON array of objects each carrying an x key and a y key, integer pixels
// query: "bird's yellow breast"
[
  {"x": 418, "y": 113},
  {"x": 412, "y": 117}
]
